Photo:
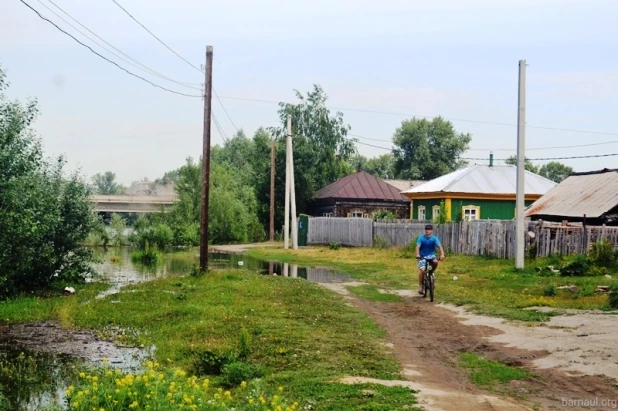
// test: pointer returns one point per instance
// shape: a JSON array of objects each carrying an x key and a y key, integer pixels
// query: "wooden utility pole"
[
  {"x": 521, "y": 165},
  {"x": 272, "y": 191},
  {"x": 206, "y": 162}
]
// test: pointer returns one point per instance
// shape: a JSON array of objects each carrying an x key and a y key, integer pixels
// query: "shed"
[
  {"x": 359, "y": 195},
  {"x": 591, "y": 194},
  {"x": 475, "y": 192}
]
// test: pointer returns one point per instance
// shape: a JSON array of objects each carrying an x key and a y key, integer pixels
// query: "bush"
[
  {"x": 159, "y": 235},
  {"x": 549, "y": 291},
  {"x": 118, "y": 227},
  {"x": 208, "y": 362},
  {"x": 380, "y": 242},
  {"x": 236, "y": 372},
  {"x": 334, "y": 246},
  {"x": 149, "y": 255},
  {"x": 45, "y": 214},
  {"x": 578, "y": 267},
  {"x": 384, "y": 215},
  {"x": 612, "y": 298},
  {"x": 602, "y": 254}
]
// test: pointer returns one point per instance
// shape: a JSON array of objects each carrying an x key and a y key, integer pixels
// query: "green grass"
[
  {"x": 371, "y": 293},
  {"x": 490, "y": 374},
  {"x": 484, "y": 285},
  {"x": 302, "y": 335}
]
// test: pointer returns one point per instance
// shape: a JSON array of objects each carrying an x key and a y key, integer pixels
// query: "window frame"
[
  {"x": 476, "y": 209},
  {"x": 424, "y": 209}
]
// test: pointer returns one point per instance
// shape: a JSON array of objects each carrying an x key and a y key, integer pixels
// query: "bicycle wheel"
[{"x": 431, "y": 285}]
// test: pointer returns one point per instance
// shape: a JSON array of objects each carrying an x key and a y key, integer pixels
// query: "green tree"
[
  {"x": 528, "y": 165},
  {"x": 428, "y": 149},
  {"x": 382, "y": 167},
  {"x": 322, "y": 148},
  {"x": 118, "y": 227},
  {"x": 45, "y": 215},
  {"x": 105, "y": 184},
  {"x": 555, "y": 171}
]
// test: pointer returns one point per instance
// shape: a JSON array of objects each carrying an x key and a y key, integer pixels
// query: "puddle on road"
[{"x": 241, "y": 261}]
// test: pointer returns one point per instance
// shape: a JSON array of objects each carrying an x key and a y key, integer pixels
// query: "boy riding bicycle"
[{"x": 426, "y": 249}]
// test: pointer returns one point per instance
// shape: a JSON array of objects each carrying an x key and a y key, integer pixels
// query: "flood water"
[{"x": 38, "y": 361}]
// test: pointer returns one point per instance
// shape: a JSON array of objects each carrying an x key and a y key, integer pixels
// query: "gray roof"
[
  {"x": 593, "y": 194},
  {"x": 484, "y": 179},
  {"x": 403, "y": 185}
]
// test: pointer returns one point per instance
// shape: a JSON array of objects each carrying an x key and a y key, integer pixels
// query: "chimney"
[{"x": 491, "y": 159}]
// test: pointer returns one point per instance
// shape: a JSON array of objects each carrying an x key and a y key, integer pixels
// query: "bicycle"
[{"x": 429, "y": 281}]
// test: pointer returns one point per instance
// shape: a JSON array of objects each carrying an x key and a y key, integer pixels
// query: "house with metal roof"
[
  {"x": 590, "y": 197},
  {"x": 359, "y": 195},
  {"x": 476, "y": 192}
]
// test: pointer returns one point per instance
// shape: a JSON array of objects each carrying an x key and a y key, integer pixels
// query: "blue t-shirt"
[{"x": 427, "y": 245}]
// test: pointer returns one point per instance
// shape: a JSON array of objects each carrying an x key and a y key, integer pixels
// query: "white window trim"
[
  {"x": 359, "y": 213},
  {"x": 424, "y": 209},
  {"x": 476, "y": 209},
  {"x": 327, "y": 215},
  {"x": 435, "y": 212}
]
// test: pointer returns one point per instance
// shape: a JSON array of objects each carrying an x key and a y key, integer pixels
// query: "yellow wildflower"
[
  {"x": 280, "y": 389},
  {"x": 134, "y": 404},
  {"x": 82, "y": 375},
  {"x": 243, "y": 384}
]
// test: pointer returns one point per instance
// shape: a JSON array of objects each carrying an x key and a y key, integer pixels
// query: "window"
[
  {"x": 327, "y": 215},
  {"x": 435, "y": 212},
  {"x": 471, "y": 213},
  {"x": 422, "y": 215},
  {"x": 357, "y": 214}
]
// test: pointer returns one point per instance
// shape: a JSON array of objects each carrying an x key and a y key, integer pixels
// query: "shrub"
[
  {"x": 208, "y": 362},
  {"x": 380, "y": 242},
  {"x": 384, "y": 215},
  {"x": 334, "y": 246},
  {"x": 149, "y": 255},
  {"x": 612, "y": 298},
  {"x": 236, "y": 372},
  {"x": 602, "y": 253},
  {"x": 549, "y": 291},
  {"x": 578, "y": 267}
]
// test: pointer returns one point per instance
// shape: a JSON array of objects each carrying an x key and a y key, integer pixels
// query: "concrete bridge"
[{"x": 131, "y": 204}]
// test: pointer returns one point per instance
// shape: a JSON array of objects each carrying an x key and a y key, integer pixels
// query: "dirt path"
[{"x": 428, "y": 339}]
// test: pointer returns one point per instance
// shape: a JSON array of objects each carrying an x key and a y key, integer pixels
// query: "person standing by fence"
[{"x": 426, "y": 250}]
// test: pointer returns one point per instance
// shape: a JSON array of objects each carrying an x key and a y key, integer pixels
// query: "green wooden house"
[{"x": 477, "y": 192}]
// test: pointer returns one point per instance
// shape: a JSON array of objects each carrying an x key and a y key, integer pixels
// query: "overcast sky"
[{"x": 455, "y": 58}]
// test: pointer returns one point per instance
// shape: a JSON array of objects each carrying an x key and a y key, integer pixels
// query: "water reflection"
[{"x": 314, "y": 274}]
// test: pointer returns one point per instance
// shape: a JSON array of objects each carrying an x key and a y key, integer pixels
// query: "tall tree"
[
  {"x": 428, "y": 149},
  {"x": 555, "y": 171},
  {"x": 382, "y": 167},
  {"x": 528, "y": 165},
  {"x": 322, "y": 148},
  {"x": 105, "y": 184}
]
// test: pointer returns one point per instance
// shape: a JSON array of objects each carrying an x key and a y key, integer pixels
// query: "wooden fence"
[
  {"x": 494, "y": 238},
  {"x": 357, "y": 232}
]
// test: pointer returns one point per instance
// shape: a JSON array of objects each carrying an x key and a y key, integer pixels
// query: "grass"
[
  {"x": 302, "y": 336},
  {"x": 371, "y": 293},
  {"x": 486, "y": 286},
  {"x": 491, "y": 374}
]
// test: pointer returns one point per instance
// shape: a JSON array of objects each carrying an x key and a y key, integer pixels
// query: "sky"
[{"x": 401, "y": 58}]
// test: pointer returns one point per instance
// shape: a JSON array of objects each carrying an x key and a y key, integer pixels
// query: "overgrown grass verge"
[
  {"x": 371, "y": 293},
  {"x": 486, "y": 286},
  {"x": 232, "y": 326},
  {"x": 491, "y": 375}
]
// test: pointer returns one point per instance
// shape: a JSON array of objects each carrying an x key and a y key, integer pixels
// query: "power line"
[
  {"x": 549, "y": 148},
  {"x": 143, "y": 66},
  {"x": 371, "y": 145},
  {"x": 548, "y": 158},
  {"x": 219, "y": 128},
  {"x": 225, "y": 110},
  {"x": 158, "y": 39},
  {"x": 105, "y": 58},
  {"x": 429, "y": 117}
]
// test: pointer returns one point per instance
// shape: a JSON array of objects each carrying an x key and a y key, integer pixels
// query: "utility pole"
[
  {"x": 286, "y": 224},
  {"x": 272, "y": 191},
  {"x": 206, "y": 162},
  {"x": 521, "y": 164},
  {"x": 292, "y": 188}
]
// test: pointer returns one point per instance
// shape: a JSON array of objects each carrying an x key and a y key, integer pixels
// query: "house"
[
  {"x": 359, "y": 195},
  {"x": 403, "y": 185},
  {"x": 476, "y": 192},
  {"x": 590, "y": 196}
]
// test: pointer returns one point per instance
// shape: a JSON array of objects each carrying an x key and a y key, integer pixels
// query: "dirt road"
[{"x": 428, "y": 339}]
